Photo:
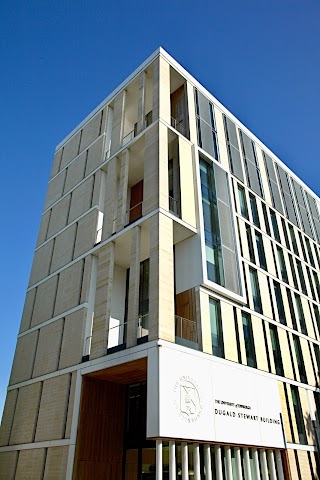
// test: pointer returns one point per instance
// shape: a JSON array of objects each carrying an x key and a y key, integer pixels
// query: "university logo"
[{"x": 187, "y": 399}]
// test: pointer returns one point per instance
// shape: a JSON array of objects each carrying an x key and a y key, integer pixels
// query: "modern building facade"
[{"x": 171, "y": 327}]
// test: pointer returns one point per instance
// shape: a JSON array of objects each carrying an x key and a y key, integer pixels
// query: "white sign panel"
[{"x": 201, "y": 398}]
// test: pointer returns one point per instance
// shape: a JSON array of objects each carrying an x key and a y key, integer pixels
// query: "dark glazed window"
[
  {"x": 276, "y": 349},
  {"x": 275, "y": 227},
  {"x": 301, "y": 277},
  {"x": 282, "y": 265},
  {"x": 273, "y": 183},
  {"x": 279, "y": 301},
  {"x": 302, "y": 320},
  {"x": 251, "y": 163},
  {"x": 233, "y": 148},
  {"x": 260, "y": 249},
  {"x": 299, "y": 357},
  {"x": 216, "y": 328},
  {"x": 207, "y": 132},
  {"x": 266, "y": 219},
  {"x": 255, "y": 290},
  {"x": 249, "y": 340},
  {"x": 285, "y": 233},
  {"x": 254, "y": 211},
  {"x": 243, "y": 202},
  {"x": 250, "y": 243},
  {"x": 298, "y": 414},
  {"x": 293, "y": 240}
]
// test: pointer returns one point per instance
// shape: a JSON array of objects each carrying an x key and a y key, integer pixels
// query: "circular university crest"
[{"x": 187, "y": 399}]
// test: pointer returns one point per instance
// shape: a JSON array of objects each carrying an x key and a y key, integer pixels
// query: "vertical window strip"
[{"x": 251, "y": 164}]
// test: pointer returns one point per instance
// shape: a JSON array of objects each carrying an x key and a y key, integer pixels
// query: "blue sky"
[{"x": 61, "y": 58}]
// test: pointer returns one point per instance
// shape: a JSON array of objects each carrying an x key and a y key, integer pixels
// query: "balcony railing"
[
  {"x": 186, "y": 332},
  {"x": 143, "y": 325},
  {"x": 134, "y": 213},
  {"x": 178, "y": 126},
  {"x": 174, "y": 206},
  {"x": 128, "y": 137}
]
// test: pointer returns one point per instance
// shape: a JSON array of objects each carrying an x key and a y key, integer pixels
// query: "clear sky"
[{"x": 60, "y": 59}]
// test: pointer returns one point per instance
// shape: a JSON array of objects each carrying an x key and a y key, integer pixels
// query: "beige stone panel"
[
  {"x": 164, "y": 90},
  {"x": 48, "y": 349},
  {"x": 307, "y": 316},
  {"x": 134, "y": 279},
  {"x": 163, "y": 152},
  {"x": 53, "y": 408},
  {"x": 155, "y": 90},
  {"x": 91, "y": 131},
  {"x": 56, "y": 463},
  {"x": 307, "y": 361},
  {"x": 151, "y": 169},
  {"x": 241, "y": 336},
  {"x": 59, "y": 216},
  {"x": 110, "y": 199},
  {"x": 42, "y": 235},
  {"x": 192, "y": 113},
  {"x": 264, "y": 292},
  {"x": 31, "y": 464},
  {"x": 44, "y": 302},
  {"x": 70, "y": 405},
  {"x": 229, "y": 332},
  {"x": 71, "y": 149},
  {"x": 141, "y": 101},
  {"x": 187, "y": 183},
  {"x": 81, "y": 199},
  {"x": 285, "y": 353},
  {"x": 304, "y": 465},
  {"x": 259, "y": 343},
  {"x": 86, "y": 233},
  {"x": 307, "y": 416},
  {"x": 95, "y": 155},
  {"x": 69, "y": 288},
  {"x": 75, "y": 172},
  {"x": 7, "y": 418},
  {"x": 55, "y": 189},
  {"x": 284, "y": 411},
  {"x": 27, "y": 310},
  {"x": 86, "y": 279},
  {"x": 8, "y": 462},
  {"x": 26, "y": 413},
  {"x": 264, "y": 175},
  {"x": 41, "y": 263},
  {"x": 161, "y": 283},
  {"x": 292, "y": 465},
  {"x": 23, "y": 358},
  {"x": 73, "y": 338},
  {"x": 123, "y": 190},
  {"x": 103, "y": 298},
  {"x": 269, "y": 256},
  {"x": 56, "y": 163},
  {"x": 118, "y": 120},
  {"x": 63, "y": 248},
  {"x": 203, "y": 312},
  {"x": 222, "y": 143},
  {"x": 96, "y": 188}
]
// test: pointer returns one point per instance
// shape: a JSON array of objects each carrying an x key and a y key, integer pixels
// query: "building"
[{"x": 171, "y": 327}]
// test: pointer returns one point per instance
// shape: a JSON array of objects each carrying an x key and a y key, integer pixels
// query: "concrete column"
[
  {"x": 90, "y": 309},
  {"x": 134, "y": 280},
  {"x": 237, "y": 455},
  {"x": 196, "y": 461},
  {"x": 185, "y": 466},
  {"x": 218, "y": 463},
  {"x": 279, "y": 465},
  {"x": 192, "y": 114},
  {"x": 102, "y": 309},
  {"x": 204, "y": 325},
  {"x": 256, "y": 465},
  {"x": 123, "y": 190},
  {"x": 159, "y": 460},
  {"x": 118, "y": 122},
  {"x": 246, "y": 459},
  {"x": 272, "y": 467},
  {"x": 151, "y": 170},
  {"x": 161, "y": 90},
  {"x": 228, "y": 462},
  {"x": 110, "y": 203},
  {"x": 172, "y": 461},
  {"x": 161, "y": 284},
  {"x": 141, "y": 101},
  {"x": 264, "y": 467},
  {"x": 207, "y": 461}
]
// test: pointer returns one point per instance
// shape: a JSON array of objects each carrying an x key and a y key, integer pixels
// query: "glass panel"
[
  {"x": 299, "y": 357},
  {"x": 216, "y": 328},
  {"x": 275, "y": 228},
  {"x": 298, "y": 414},
  {"x": 255, "y": 290},
  {"x": 276, "y": 349},
  {"x": 260, "y": 249},
  {"x": 279, "y": 301},
  {"x": 248, "y": 340},
  {"x": 282, "y": 265},
  {"x": 254, "y": 211},
  {"x": 243, "y": 202}
]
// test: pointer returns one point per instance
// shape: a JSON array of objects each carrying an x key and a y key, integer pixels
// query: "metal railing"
[
  {"x": 137, "y": 209},
  {"x": 128, "y": 137},
  {"x": 178, "y": 126},
  {"x": 174, "y": 206},
  {"x": 116, "y": 335},
  {"x": 87, "y": 346},
  {"x": 143, "y": 325},
  {"x": 186, "y": 329}
]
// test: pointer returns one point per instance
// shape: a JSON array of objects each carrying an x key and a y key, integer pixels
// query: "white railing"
[
  {"x": 178, "y": 126},
  {"x": 87, "y": 346},
  {"x": 129, "y": 212},
  {"x": 186, "y": 329},
  {"x": 174, "y": 206},
  {"x": 143, "y": 325},
  {"x": 128, "y": 137},
  {"x": 116, "y": 333}
]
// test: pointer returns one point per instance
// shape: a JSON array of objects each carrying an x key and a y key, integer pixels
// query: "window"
[
  {"x": 243, "y": 202},
  {"x": 255, "y": 290},
  {"x": 298, "y": 414},
  {"x": 266, "y": 220},
  {"x": 233, "y": 148},
  {"x": 260, "y": 250},
  {"x": 301, "y": 277},
  {"x": 279, "y": 301},
  {"x": 250, "y": 243},
  {"x": 293, "y": 271},
  {"x": 248, "y": 340},
  {"x": 273, "y": 183},
  {"x": 291, "y": 308},
  {"x": 302, "y": 247},
  {"x": 299, "y": 357},
  {"x": 144, "y": 298},
  {"x": 293, "y": 240},
  {"x": 317, "y": 355},
  {"x": 275, "y": 228},
  {"x": 254, "y": 211},
  {"x": 251, "y": 164},
  {"x": 216, "y": 328},
  {"x": 285, "y": 233},
  {"x": 207, "y": 132},
  {"x": 310, "y": 253},
  {"x": 282, "y": 265},
  {"x": 302, "y": 320},
  {"x": 276, "y": 349}
]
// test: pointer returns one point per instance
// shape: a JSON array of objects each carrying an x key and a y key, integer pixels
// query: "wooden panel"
[
  {"x": 99, "y": 448},
  {"x": 136, "y": 199},
  {"x": 125, "y": 373},
  {"x": 186, "y": 304}
]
